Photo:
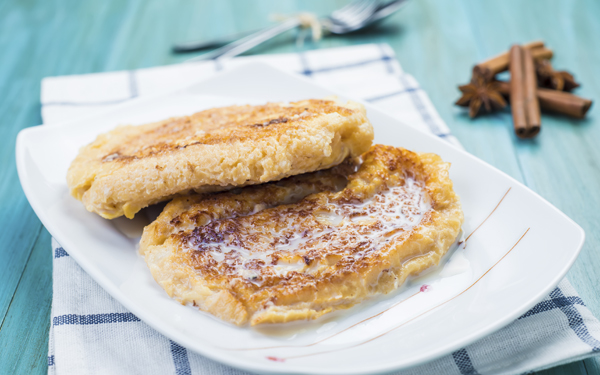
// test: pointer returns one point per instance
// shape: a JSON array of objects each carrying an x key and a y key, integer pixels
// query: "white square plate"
[{"x": 520, "y": 247}]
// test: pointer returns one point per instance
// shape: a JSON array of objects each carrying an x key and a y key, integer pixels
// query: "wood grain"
[
  {"x": 24, "y": 347},
  {"x": 435, "y": 40}
]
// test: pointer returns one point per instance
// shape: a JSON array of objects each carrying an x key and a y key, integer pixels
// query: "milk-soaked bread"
[
  {"x": 131, "y": 167},
  {"x": 307, "y": 245}
]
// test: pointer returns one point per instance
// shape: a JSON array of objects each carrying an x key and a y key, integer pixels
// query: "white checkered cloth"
[{"x": 91, "y": 333}]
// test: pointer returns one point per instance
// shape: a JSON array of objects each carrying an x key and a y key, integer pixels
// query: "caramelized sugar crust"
[
  {"x": 130, "y": 167},
  {"x": 307, "y": 245}
]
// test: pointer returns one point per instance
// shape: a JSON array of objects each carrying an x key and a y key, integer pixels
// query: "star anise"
[
  {"x": 557, "y": 80},
  {"x": 480, "y": 91}
]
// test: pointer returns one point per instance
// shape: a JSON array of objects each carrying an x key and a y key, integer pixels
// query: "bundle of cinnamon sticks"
[{"x": 534, "y": 84}]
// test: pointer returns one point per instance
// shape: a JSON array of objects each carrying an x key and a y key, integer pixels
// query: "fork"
[{"x": 351, "y": 17}]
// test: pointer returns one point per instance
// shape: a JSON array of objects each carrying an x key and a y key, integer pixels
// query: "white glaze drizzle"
[{"x": 343, "y": 228}]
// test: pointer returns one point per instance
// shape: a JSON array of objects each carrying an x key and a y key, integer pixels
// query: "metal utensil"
[
  {"x": 341, "y": 14},
  {"x": 211, "y": 43},
  {"x": 352, "y": 17},
  {"x": 251, "y": 41},
  {"x": 382, "y": 11}
]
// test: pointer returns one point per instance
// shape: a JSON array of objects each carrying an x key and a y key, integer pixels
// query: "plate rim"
[{"x": 222, "y": 357}]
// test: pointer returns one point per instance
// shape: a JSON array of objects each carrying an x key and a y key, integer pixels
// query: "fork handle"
[
  {"x": 199, "y": 45},
  {"x": 235, "y": 48}
]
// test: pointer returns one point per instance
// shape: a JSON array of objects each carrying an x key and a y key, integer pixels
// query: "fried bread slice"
[
  {"x": 131, "y": 167},
  {"x": 308, "y": 245}
]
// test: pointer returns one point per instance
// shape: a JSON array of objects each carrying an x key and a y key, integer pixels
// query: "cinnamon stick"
[
  {"x": 532, "y": 106},
  {"x": 499, "y": 63},
  {"x": 542, "y": 53},
  {"x": 555, "y": 101},
  {"x": 517, "y": 91}
]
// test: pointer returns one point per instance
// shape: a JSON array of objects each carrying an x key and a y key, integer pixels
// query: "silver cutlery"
[{"x": 352, "y": 17}]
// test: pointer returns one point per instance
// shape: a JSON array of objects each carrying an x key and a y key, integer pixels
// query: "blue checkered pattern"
[
  {"x": 556, "y": 302},
  {"x": 87, "y": 322}
]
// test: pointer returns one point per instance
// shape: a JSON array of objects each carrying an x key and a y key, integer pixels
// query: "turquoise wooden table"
[{"x": 436, "y": 41}]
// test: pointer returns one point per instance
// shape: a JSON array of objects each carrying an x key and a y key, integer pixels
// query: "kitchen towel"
[{"x": 91, "y": 333}]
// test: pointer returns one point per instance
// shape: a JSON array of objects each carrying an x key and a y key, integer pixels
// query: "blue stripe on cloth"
[
  {"x": 133, "y": 89},
  {"x": 407, "y": 90},
  {"x": 386, "y": 58},
  {"x": 94, "y": 319},
  {"x": 218, "y": 66},
  {"x": 75, "y": 104},
  {"x": 575, "y": 320},
  {"x": 180, "y": 359},
  {"x": 392, "y": 94},
  {"x": 345, "y": 66},
  {"x": 133, "y": 93},
  {"x": 425, "y": 115},
  {"x": 50, "y": 360},
  {"x": 304, "y": 63},
  {"x": 552, "y": 304},
  {"x": 60, "y": 252},
  {"x": 463, "y": 362}
]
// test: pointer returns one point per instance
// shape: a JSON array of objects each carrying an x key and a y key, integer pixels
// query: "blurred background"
[{"x": 436, "y": 41}]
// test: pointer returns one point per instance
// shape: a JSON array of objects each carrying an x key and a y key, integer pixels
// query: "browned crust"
[
  {"x": 131, "y": 167},
  {"x": 339, "y": 281}
]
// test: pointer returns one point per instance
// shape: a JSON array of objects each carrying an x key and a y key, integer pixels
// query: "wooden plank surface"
[
  {"x": 435, "y": 40},
  {"x": 24, "y": 347}
]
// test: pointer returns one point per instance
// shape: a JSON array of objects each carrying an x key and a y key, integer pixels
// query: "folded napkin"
[{"x": 91, "y": 333}]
